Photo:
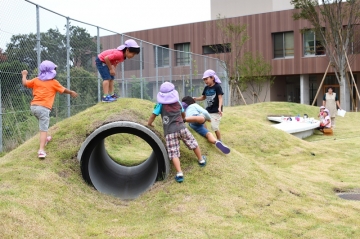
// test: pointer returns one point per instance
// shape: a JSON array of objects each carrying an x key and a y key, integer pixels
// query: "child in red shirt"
[
  {"x": 106, "y": 63},
  {"x": 44, "y": 90}
]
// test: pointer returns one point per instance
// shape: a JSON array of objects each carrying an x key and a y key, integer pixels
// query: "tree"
[
  {"x": 232, "y": 38},
  {"x": 83, "y": 47},
  {"x": 334, "y": 22},
  {"x": 254, "y": 73}
]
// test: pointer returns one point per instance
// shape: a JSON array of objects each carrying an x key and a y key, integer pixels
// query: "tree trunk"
[{"x": 344, "y": 92}]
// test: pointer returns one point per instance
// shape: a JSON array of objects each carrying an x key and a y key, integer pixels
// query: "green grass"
[{"x": 271, "y": 185}]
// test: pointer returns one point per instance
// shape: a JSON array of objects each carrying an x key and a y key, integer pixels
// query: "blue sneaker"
[
  {"x": 202, "y": 162},
  {"x": 179, "y": 178},
  {"x": 114, "y": 96},
  {"x": 107, "y": 99},
  {"x": 225, "y": 149}
]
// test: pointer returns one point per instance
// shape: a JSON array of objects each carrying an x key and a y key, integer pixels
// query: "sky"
[{"x": 19, "y": 16}]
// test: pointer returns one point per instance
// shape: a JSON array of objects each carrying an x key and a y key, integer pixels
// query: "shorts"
[
  {"x": 215, "y": 121},
  {"x": 43, "y": 115},
  {"x": 173, "y": 142},
  {"x": 199, "y": 128},
  {"x": 103, "y": 70}
]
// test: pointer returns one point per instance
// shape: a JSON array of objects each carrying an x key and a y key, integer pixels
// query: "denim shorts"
[
  {"x": 43, "y": 115},
  {"x": 103, "y": 70},
  {"x": 199, "y": 128}
]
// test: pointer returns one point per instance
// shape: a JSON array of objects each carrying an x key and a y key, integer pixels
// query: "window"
[
  {"x": 162, "y": 55},
  {"x": 182, "y": 54},
  {"x": 283, "y": 44},
  {"x": 354, "y": 46},
  {"x": 312, "y": 44},
  {"x": 218, "y": 48}
]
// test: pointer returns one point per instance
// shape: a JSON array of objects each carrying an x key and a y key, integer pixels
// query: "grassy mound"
[{"x": 271, "y": 185}]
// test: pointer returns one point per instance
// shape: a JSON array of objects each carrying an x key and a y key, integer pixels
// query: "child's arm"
[
  {"x": 111, "y": 67},
  {"x": 24, "y": 75},
  {"x": 204, "y": 112},
  {"x": 156, "y": 112},
  {"x": 71, "y": 93},
  {"x": 151, "y": 119},
  {"x": 203, "y": 97},
  {"x": 220, "y": 104}
]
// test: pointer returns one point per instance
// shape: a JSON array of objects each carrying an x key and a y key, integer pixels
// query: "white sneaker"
[{"x": 41, "y": 154}]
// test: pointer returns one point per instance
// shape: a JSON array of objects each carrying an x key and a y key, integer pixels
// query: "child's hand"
[
  {"x": 220, "y": 113},
  {"x": 112, "y": 71},
  {"x": 73, "y": 94},
  {"x": 24, "y": 72}
]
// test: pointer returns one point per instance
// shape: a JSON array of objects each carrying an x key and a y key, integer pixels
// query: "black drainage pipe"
[{"x": 107, "y": 176}]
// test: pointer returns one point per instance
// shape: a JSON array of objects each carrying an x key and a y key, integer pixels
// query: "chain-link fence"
[{"x": 30, "y": 34}]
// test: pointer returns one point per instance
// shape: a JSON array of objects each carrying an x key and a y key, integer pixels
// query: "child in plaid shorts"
[{"x": 172, "y": 114}]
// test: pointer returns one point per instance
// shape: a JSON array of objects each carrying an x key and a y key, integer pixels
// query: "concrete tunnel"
[{"x": 109, "y": 177}]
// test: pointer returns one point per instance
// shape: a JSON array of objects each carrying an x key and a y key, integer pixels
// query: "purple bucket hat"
[
  {"x": 167, "y": 94},
  {"x": 209, "y": 73},
  {"x": 47, "y": 70},
  {"x": 327, "y": 111},
  {"x": 128, "y": 43}
]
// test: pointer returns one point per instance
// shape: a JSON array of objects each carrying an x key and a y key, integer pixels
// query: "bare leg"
[
  {"x": 218, "y": 135},
  {"x": 106, "y": 87},
  {"x": 197, "y": 152},
  {"x": 43, "y": 135},
  {"x": 111, "y": 86},
  {"x": 210, "y": 137},
  {"x": 176, "y": 162}
]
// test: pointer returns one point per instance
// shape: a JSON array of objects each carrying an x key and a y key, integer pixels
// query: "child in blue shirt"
[
  {"x": 196, "y": 116},
  {"x": 172, "y": 114}
]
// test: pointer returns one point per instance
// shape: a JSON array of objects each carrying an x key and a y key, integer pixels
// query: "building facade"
[{"x": 298, "y": 62}]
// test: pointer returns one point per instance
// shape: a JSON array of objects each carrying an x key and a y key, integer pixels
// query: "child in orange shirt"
[{"x": 44, "y": 90}]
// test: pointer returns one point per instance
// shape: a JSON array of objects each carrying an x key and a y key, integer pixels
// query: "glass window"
[
  {"x": 162, "y": 55},
  {"x": 218, "y": 48},
  {"x": 312, "y": 46},
  {"x": 283, "y": 44},
  {"x": 182, "y": 54}
]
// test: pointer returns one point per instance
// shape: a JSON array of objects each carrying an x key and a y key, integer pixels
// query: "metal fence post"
[
  {"x": 98, "y": 52},
  {"x": 1, "y": 123},
  {"x": 191, "y": 89},
  {"x": 156, "y": 68},
  {"x": 122, "y": 73},
  {"x": 68, "y": 64},
  {"x": 170, "y": 63},
  {"x": 141, "y": 64},
  {"x": 38, "y": 50}
]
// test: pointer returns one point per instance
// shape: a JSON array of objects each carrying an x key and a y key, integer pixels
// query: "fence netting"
[{"x": 30, "y": 34}]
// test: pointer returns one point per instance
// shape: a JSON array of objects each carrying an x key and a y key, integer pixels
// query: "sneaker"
[
  {"x": 202, "y": 162},
  {"x": 179, "y": 177},
  {"x": 225, "y": 149},
  {"x": 114, "y": 96},
  {"x": 48, "y": 139},
  {"x": 108, "y": 99},
  {"x": 41, "y": 154}
]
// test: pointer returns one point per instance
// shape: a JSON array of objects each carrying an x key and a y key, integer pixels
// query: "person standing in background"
[{"x": 330, "y": 101}]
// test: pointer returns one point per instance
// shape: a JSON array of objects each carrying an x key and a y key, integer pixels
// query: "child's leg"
[
  {"x": 176, "y": 163},
  {"x": 218, "y": 135},
  {"x": 173, "y": 148},
  {"x": 111, "y": 87},
  {"x": 215, "y": 123},
  {"x": 43, "y": 136},
  {"x": 210, "y": 137},
  {"x": 191, "y": 143},
  {"x": 106, "y": 87},
  {"x": 195, "y": 119}
]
